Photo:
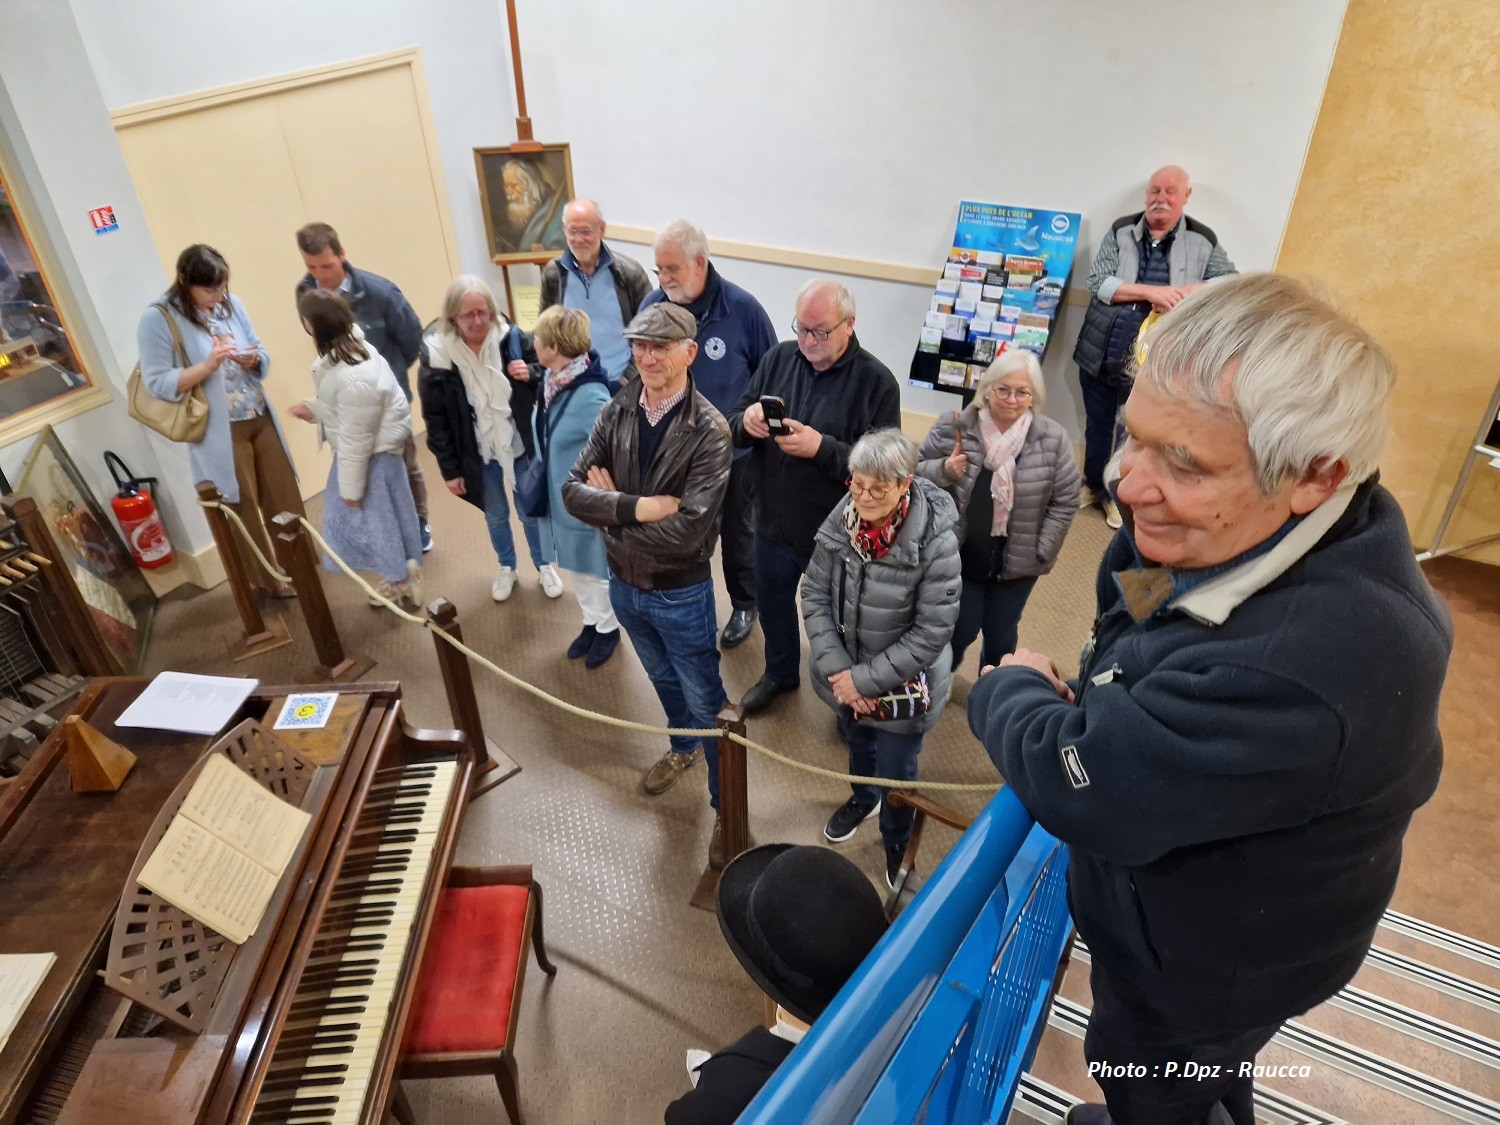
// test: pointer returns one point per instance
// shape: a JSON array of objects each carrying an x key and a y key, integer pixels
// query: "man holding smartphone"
[{"x": 826, "y": 392}]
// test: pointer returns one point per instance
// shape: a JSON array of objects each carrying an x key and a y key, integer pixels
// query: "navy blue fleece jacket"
[{"x": 1235, "y": 795}]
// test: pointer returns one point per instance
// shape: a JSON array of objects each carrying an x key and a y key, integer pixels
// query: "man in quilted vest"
[{"x": 1149, "y": 260}]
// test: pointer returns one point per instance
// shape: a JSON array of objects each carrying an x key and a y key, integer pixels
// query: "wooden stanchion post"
[
  {"x": 734, "y": 789},
  {"x": 259, "y": 634},
  {"x": 734, "y": 803},
  {"x": 494, "y": 764},
  {"x": 299, "y": 560}
]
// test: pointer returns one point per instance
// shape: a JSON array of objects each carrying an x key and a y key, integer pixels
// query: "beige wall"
[
  {"x": 351, "y": 144},
  {"x": 1397, "y": 209}
]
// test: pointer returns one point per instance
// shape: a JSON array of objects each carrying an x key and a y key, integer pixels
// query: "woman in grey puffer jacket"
[
  {"x": 879, "y": 600},
  {"x": 1014, "y": 477}
]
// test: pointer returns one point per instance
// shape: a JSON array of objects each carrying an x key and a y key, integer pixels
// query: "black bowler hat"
[{"x": 800, "y": 920}]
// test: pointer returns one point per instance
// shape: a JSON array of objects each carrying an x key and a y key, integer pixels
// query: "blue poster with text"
[{"x": 987, "y": 229}]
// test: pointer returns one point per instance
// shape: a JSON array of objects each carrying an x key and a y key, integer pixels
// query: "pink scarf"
[
  {"x": 1000, "y": 452},
  {"x": 560, "y": 380}
]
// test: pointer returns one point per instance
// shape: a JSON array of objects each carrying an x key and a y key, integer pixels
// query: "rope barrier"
[
  {"x": 234, "y": 518},
  {"x": 583, "y": 712}
]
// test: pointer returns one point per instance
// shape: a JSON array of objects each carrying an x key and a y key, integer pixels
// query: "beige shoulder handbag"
[{"x": 183, "y": 420}]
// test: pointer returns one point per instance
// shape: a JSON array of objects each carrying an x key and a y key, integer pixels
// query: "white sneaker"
[
  {"x": 1112, "y": 513},
  {"x": 551, "y": 581},
  {"x": 501, "y": 588},
  {"x": 1085, "y": 497}
]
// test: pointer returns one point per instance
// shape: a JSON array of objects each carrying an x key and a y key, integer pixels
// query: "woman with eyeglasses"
[
  {"x": 198, "y": 334},
  {"x": 1015, "y": 480},
  {"x": 879, "y": 601},
  {"x": 477, "y": 388}
]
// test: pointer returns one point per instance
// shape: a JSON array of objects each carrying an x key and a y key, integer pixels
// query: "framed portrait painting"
[
  {"x": 120, "y": 604},
  {"x": 523, "y": 190}
]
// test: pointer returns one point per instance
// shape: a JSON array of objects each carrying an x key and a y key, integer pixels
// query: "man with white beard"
[
  {"x": 1148, "y": 261},
  {"x": 532, "y": 218}
]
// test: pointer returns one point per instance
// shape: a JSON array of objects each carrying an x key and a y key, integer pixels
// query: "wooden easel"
[{"x": 525, "y": 142}]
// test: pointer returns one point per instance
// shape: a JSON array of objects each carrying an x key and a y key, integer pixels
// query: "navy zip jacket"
[
  {"x": 386, "y": 318},
  {"x": 734, "y": 333},
  {"x": 1235, "y": 795}
]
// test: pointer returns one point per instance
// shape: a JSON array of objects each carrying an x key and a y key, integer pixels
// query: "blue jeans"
[
  {"x": 994, "y": 607},
  {"x": 675, "y": 634},
  {"x": 778, "y": 572},
  {"x": 882, "y": 753},
  {"x": 1102, "y": 431},
  {"x": 497, "y": 517}
]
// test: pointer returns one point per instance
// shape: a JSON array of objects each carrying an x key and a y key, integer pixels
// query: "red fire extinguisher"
[{"x": 135, "y": 508}]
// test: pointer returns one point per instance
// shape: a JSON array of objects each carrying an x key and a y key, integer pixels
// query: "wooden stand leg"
[
  {"x": 491, "y": 763},
  {"x": 296, "y": 555},
  {"x": 259, "y": 634},
  {"x": 734, "y": 803}
]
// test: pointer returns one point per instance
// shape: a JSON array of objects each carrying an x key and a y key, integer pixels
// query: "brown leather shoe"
[
  {"x": 662, "y": 776},
  {"x": 716, "y": 845}
]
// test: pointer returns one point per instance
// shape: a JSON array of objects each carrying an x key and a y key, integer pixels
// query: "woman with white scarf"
[
  {"x": 1014, "y": 477},
  {"x": 470, "y": 356}
]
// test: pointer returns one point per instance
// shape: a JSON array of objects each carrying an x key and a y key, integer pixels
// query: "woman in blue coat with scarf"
[{"x": 574, "y": 390}]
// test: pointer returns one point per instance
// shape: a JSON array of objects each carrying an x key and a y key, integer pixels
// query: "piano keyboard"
[{"x": 324, "y": 1059}]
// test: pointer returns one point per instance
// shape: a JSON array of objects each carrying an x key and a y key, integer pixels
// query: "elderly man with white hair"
[
  {"x": 1147, "y": 261},
  {"x": 1255, "y": 718},
  {"x": 594, "y": 279},
  {"x": 734, "y": 332},
  {"x": 831, "y": 392}
]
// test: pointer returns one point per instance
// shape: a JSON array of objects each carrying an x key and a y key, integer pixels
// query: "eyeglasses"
[
  {"x": 876, "y": 492},
  {"x": 1012, "y": 393},
  {"x": 653, "y": 348},
  {"x": 477, "y": 314},
  {"x": 819, "y": 334}
]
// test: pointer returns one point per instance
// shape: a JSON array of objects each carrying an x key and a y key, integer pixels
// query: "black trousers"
[
  {"x": 1150, "y": 1081},
  {"x": 737, "y": 536}
]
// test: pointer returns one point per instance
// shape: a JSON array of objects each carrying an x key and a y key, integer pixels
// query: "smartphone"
[{"x": 775, "y": 411}]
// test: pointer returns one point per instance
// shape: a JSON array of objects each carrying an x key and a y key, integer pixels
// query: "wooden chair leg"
[
  {"x": 536, "y": 934},
  {"x": 505, "y": 1078},
  {"x": 401, "y": 1108}
]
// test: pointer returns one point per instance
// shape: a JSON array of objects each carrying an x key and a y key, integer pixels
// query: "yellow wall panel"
[
  {"x": 243, "y": 169},
  {"x": 1396, "y": 210}
]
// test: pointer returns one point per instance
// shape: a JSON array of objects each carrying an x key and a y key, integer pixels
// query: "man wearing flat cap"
[
  {"x": 652, "y": 477},
  {"x": 800, "y": 920}
]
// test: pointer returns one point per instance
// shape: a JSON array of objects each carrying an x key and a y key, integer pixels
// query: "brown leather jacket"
[{"x": 692, "y": 464}]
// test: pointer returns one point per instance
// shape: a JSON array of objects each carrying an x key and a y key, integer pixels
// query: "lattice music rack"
[{"x": 159, "y": 956}]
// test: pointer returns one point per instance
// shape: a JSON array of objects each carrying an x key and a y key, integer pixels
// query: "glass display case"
[{"x": 39, "y": 364}]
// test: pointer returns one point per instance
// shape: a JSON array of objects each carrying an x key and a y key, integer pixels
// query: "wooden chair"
[
  {"x": 464, "y": 1017},
  {"x": 908, "y": 798}
]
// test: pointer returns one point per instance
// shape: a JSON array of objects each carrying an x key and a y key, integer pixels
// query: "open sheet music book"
[
  {"x": 21, "y": 974},
  {"x": 224, "y": 852}
]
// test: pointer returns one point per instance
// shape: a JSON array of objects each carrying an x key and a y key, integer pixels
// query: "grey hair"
[
  {"x": 1308, "y": 382},
  {"x": 1008, "y": 363},
  {"x": 598, "y": 211},
  {"x": 841, "y": 295},
  {"x": 885, "y": 455},
  {"x": 686, "y": 237},
  {"x": 460, "y": 288}
]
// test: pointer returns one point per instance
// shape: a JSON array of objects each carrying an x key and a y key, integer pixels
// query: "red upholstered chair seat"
[{"x": 469, "y": 971}]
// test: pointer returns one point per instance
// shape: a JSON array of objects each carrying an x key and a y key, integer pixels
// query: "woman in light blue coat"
[
  {"x": 198, "y": 334},
  {"x": 575, "y": 389}
]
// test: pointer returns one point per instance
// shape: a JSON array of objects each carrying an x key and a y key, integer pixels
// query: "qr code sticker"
[{"x": 306, "y": 712}]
